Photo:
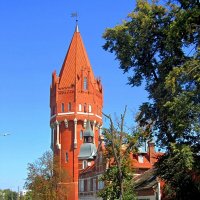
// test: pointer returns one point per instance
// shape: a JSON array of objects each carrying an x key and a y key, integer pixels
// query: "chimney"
[{"x": 151, "y": 151}]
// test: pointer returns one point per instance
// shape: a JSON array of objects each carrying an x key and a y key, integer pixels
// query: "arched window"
[{"x": 85, "y": 83}]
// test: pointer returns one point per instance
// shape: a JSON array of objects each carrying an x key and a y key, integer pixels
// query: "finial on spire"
[{"x": 75, "y": 14}]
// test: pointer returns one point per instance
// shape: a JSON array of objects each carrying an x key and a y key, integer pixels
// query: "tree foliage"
[
  {"x": 43, "y": 179},
  {"x": 118, "y": 183},
  {"x": 159, "y": 45},
  {"x": 8, "y": 194},
  {"x": 177, "y": 169}
]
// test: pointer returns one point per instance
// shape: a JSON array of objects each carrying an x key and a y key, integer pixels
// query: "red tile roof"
[{"x": 75, "y": 60}]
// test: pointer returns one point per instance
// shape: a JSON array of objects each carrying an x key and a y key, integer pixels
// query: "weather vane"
[{"x": 75, "y": 14}]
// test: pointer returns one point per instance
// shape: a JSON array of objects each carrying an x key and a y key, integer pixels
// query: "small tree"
[
  {"x": 43, "y": 179},
  {"x": 119, "y": 145}
]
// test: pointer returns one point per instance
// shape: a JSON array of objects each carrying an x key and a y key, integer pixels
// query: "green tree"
[
  {"x": 43, "y": 179},
  {"x": 159, "y": 44},
  {"x": 8, "y": 194},
  {"x": 118, "y": 183},
  {"x": 177, "y": 169}
]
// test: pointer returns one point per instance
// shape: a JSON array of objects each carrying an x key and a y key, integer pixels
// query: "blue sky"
[{"x": 34, "y": 38}]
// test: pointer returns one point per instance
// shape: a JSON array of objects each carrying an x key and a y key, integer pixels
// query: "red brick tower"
[{"x": 76, "y": 97}]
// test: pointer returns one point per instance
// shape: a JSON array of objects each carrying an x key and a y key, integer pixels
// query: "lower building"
[{"x": 147, "y": 185}]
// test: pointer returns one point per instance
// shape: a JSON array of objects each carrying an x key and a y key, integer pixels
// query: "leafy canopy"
[
  {"x": 43, "y": 179},
  {"x": 152, "y": 44},
  {"x": 159, "y": 45}
]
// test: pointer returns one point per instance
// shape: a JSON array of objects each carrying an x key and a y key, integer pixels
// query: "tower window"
[
  {"x": 84, "y": 164},
  {"x": 85, "y": 83},
  {"x": 69, "y": 106},
  {"x": 90, "y": 108},
  {"x": 81, "y": 134},
  {"x": 66, "y": 157},
  {"x": 85, "y": 107},
  {"x": 62, "y": 107},
  {"x": 79, "y": 107}
]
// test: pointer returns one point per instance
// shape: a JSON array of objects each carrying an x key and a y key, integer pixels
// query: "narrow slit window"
[
  {"x": 85, "y": 107},
  {"x": 62, "y": 107},
  {"x": 66, "y": 157},
  {"x": 80, "y": 107},
  {"x": 69, "y": 106},
  {"x": 90, "y": 108},
  {"x": 81, "y": 134},
  {"x": 85, "y": 83}
]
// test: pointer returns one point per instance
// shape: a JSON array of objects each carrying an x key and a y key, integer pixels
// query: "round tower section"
[{"x": 76, "y": 97}]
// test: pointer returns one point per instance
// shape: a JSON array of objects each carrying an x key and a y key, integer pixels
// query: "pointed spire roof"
[
  {"x": 88, "y": 131},
  {"x": 75, "y": 60},
  {"x": 77, "y": 29}
]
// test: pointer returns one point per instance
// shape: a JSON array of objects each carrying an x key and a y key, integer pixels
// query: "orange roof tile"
[{"x": 75, "y": 60}]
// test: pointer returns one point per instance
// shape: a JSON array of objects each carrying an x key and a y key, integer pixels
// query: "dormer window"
[
  {"x": 140, "y": 159},
  {"x": 88, "y": 139},
  {"x": 85, "y": 83}
]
